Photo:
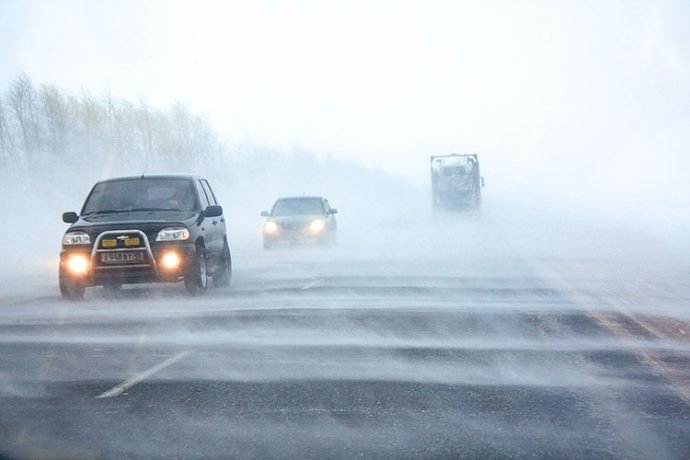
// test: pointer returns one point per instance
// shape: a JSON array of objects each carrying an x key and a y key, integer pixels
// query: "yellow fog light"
[
  {"x": 170, "y": 260},
  {"x": 78, "y": 264}
]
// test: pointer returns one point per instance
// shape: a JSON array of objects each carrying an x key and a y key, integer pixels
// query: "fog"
[
  {"x": 553, "y": 96},
  {"x": 416, "y": 304},
  {"x": 579, "y": 114},
  {"x": 382, "y": 218},
  {"x": 575, "y": 110}
]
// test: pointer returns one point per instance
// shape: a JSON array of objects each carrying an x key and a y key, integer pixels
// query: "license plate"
[{"x": 122, "y": 257}]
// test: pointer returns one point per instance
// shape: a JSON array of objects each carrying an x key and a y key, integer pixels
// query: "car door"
[
  {"x": 215, "y": 226},
  {"x": 207, "y": 229},
  {"x": 330, "y": 218}
]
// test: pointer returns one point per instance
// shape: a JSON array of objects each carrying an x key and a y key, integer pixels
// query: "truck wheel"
[
  {"x": 196, "y": 281},
  {"x": 70, "y": 289},
  {"x": 222, "y": 277}
]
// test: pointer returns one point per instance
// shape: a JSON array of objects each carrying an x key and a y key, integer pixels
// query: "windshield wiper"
[
  {"x": 106, "y": 211},
  {"x": 115, "y": 211},
  {"x": 154, "y": 209}
]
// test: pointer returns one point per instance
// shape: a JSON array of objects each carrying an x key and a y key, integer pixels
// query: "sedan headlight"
[
  {"x": 173, "y": 234},
  {"x": 73, "y": 238},
  {"x": 317, "y": 225},
  {"x": 270, "y": 227}
]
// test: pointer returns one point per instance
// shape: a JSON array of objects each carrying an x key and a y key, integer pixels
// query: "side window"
[
  {"x": 202, "y": 195},
  {"x": 326, "y": 205},
  {"x": 209, "y": 193}
]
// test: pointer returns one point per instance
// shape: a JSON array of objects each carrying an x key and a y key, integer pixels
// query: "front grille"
[
  {"x": 293, "y": 227},
  {"x": 124, "y": 240},
  {"x": 126, "y": 249}
]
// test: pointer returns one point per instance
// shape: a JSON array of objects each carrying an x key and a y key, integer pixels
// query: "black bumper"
[{"x": 147, "y": 272}]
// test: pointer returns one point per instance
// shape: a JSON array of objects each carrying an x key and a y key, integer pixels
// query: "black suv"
[{"x": 144, "y": 229}]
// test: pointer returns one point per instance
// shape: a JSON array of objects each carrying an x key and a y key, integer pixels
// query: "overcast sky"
[{"x": 542, "y": 90}]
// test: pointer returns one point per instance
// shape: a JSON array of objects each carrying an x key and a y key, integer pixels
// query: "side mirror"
[
  {"x": 265, "y": 214},
  {"x": 69, "y": 217},
  {"x": 332, "y": 211},
  {"x": 483, "y": 184},
  {"x": 213, "y": 211}
]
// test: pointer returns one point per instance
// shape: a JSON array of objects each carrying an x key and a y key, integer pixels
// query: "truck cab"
[{"x": 456, "y": 182}]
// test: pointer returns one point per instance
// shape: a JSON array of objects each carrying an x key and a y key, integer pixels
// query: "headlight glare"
[
  {"x": 78, "y": 264},
  {"x": 72, "y": 238},
  {"x": 317, "y": 225},
  {"x": 270, "y": 227},
  {"x": 171, "y": 260},
  {"x": 173, "y": 234}
]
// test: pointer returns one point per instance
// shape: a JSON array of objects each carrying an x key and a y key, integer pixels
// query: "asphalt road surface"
[{"x": 408, "y": 347}]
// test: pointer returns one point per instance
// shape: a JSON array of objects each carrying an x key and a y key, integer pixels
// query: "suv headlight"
[
  {"x": 72, "y": 238},
  {"x": 173, "y": 234}
]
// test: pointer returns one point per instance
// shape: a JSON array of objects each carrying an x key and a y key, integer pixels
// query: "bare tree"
[
  {"x": 54, "y": 115},
  {"x": 6, "y": 139},
  {"x": 21, "y": 99},
  {"x": 99, "y": 130}
]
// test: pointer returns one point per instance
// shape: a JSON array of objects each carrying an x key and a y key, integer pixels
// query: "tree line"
[{"x": 45, "y": 125}]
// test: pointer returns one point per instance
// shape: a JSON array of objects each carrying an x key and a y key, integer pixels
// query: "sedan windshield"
[
  {"x": 297, "y": 206},
  {"x": 140, "y": 195}
]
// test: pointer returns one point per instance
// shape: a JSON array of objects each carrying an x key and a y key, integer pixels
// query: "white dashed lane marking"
[
  {"x": 119, "y": 389},
  {"x": 312, "y": 284}
]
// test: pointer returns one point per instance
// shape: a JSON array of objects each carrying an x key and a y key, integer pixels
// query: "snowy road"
[{"x": 509, "y": 352}]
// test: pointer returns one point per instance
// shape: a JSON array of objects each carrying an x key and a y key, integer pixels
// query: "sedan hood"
[{"x": 299, "y": 219}]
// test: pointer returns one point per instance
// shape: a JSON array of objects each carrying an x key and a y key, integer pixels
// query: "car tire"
[
  {"x": 71, "y": 289},
  {"x": 223, "y": 276},
  {"x": 196, "y": 281}
]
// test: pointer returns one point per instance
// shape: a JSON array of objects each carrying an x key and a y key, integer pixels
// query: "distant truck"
[{"x": 456, "y": 184}]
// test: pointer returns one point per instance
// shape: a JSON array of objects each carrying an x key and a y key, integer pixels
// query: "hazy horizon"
[{"x": 584, "y": 103}]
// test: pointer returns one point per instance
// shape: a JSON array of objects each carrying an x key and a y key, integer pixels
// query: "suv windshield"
[
  {"x": 141, "y": 194},
  {"x": 297, "y": 206}
]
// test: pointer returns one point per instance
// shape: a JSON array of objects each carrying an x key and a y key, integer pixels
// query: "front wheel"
[
  {"x": 222, "y": 277},
  {"x": 70, "y": 288},
  {"x": 196, "y": 281}
]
